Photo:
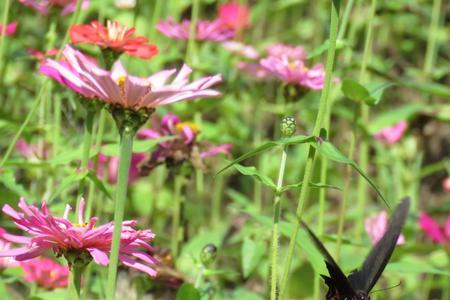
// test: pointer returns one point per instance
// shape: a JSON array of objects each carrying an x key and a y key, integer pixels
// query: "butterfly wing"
[
  {"x": 380, "y": 254},
  {"x": 337, "y": 280}
]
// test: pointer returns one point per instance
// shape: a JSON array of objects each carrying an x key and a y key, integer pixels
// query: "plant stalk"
[{"x": 176, "y": 217}]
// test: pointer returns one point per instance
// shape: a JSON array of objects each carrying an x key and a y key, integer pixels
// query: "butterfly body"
[{"x": 358, "y": 284}]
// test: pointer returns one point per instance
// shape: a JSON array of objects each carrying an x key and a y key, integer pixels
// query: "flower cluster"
[
  {"x": 78, "y": 242},
  {"x": 43, "y": 6}
]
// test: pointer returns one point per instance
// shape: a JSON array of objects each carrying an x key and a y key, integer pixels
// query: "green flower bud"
[
  {"x": 208, "y": 254},
  {"x": 288, "y": 126}
]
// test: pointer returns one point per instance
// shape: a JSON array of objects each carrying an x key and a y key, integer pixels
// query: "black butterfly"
[{"x": 359, "y": 283}]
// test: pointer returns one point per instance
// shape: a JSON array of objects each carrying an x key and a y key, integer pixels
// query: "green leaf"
[
  {"x": 9, "y": 181},
  {"x": 139, "y": 146},
  {"x": 251, "y": 252},
  {"x": 298, "y": 139},
  {"x": 67, "y": 182},
  {"x": 329, "y": 151},
  {"x": 355, "y": 91},
  {"x": 188, "y": 292},
  {"x": 311, "y": 185},
  {"x": 92, "y": 176},
  {"x": 377, "y": 91},
  {"x": 252, "y": 171}
]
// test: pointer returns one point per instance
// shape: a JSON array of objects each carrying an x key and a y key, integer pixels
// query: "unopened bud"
[
  {"x": 288, "y": 126},
  {"x": 208, "y": 254}
]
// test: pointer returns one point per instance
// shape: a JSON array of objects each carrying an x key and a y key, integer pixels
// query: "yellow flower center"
[
  {"x": 121, "y": 80},
  {"x": 53, "y": 275},
  {"x": 192, "y": 126}
]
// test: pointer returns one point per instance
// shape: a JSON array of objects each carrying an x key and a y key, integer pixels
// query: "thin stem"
[
  {"x": 175, "y": 238},
  {"x": 276, "y": 221},
  {"x": 87, "y": 143},
  {"x": 6, "y": 10},
  {"x": 157, "y": 8},
  {"x": 430, "y": 55},
  {"x": 217, "y": 200},
  {"x": 126, "y": 146},
  {"x": 191, "y": 57},
  {"x": 41, "y": 92},
  {"x": 344, "y": 22},
  {"x": 309, "y": 165},
  {"x": 77, "y": 272}
]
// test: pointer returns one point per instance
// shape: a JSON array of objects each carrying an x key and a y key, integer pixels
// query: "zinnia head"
[
  {"x": 115, "y": 37},
  {"x": 9, "y": 30},
  {"x": 437, "y": 233},
  {"x": 44, "y": 6},
  {"x": 392, "y": 134},
  {"x": 46, "y": 273},
  {"x": 234, "y": 15},
  {"x": 377, "y": 225},
  {"x": 79, "y": 242}
]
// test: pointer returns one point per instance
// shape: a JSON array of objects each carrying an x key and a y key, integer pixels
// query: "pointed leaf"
[
  {"x": 188, "y": 292},
  {"x": 98, "y": 183},
  {"x": 252, "y": 171},
  {"x": 311, "y": 185},
  {"x": 251, "y": 252},
  {"x": 354, "y": 90},
  {"x": 67, "y": 182},
  {"x": 9, "y": 181}
]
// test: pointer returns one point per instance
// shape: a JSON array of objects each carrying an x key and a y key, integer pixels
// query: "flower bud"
[
  {"x": 208, "y": 254},
  {"x": 288, "y": 126}
]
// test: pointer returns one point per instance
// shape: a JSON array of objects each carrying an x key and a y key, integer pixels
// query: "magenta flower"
[
  {"x": 118, "y": 88},
  {"x": 377, "y": 225},
  {"x": 433, "y": 230},
  {"x": 6, "y": 262},
  {"x": 391, "y": 135},
  {"x": 183, "y": 147},
  {"x": 31, "y": 151},
  {"x": 241, "y": 49},
  {"x": 80, "y": 240},
  {"x": 110, "y": 164},
  {"x": 205, "y": 30},
  {"x": 287, "y": 51},
  {"x": 254, "y": 70},
  {"x": 45, "y": 273},
  {"x": 295, "y": 72},
  {"x": 234, "y": 15},
  {"x": 10, "y": 29},
  {"x": 44, "y": 6},
  {"x": 446, "y": 184},
  {"x": 40, "y": 56}
]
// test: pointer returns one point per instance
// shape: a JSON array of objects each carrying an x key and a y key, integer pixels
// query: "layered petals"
[
  {"x": 44, "y": 6},
  {"x": 45, "y": 273}
]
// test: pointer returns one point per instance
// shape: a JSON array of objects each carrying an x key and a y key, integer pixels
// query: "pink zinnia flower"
[
  {"x": 114, "y": 36},
  {"x": 253, "y": 69},
  {"x": 49, "y": 233},
  {"x": 31, "y": 151},
  {"x": 439, "y": 234},
  {"x": 44, "y": 6},
  {"x": 241, "y": 49},
  {"x": 204, "y": 31},
  {"x": 45, "y": 273},
  {"x": 110, "y": 164},
  {"x": 377, "y": 225},
  {"x": 10, "y": 29},
  {"x": 446, "y": 184},
  {"x": 295, "y": 72},
  {"x": 234, "y": 15},
  {"x": 6, "y": 262},
  {"x": 116, "y": 87},
  {"x": 287, "y": 51},
  {"x": 391, "y": 135},
  {"x": 40, "y": 56}
]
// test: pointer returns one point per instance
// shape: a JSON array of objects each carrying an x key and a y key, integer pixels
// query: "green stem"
[
  {"x": 41, "y": 92},
  {"x": 157, "y": 9},
  {"x": 344, "y": 22},
  {"x": 126, "y": 147},
  {"x": 77, "y": 272},
  {"x": 276, "y": 221},
  {"x": 217, "y": 200},
  {"x": 6, "y": 10},
  {"x": 176, "y": 232},
  {"x": 430, "y": 54},
  {"x": 191, "y": 57},
  {"x": 309, "y": 165},
  {"x": 433, "y": 168},
  {"x": 199, "y": 277},
  {"x": 87, "y": 143}
]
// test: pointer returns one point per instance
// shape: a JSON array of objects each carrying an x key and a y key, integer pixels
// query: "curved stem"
[
  {"x": 276, "y": 221},
  {"x": 309, "y": 165},
  {"x": 126, "y": 146}
]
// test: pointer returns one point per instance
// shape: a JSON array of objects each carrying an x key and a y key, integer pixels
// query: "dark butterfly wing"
[
  {"x": 380, "y": 254},
  {"x": 337, "y": 279}
]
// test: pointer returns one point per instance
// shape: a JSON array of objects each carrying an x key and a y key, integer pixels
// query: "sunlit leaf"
[
  {"x": 252, "y": 252},
  {"x": 252, "y": 171},
  {"x": 188, "y": 292}
]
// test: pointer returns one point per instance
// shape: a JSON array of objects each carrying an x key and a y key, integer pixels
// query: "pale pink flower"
[
  {"x": 241, "y": 49},
  {"x": 234, "y": 15},
  {"x": 204, "y": 30},
  {"x": 49, "y": 233},
  {"x": 40, "y": 56},
  {"x": 31, "y": 151},
  {"x": 45, "y": 273},
  {"x": 392, "y": 134},
  {"x": 295, "y": 72},
  {"x": 254, "y": 70},
  {"x": 439, "y": 234},
  {"x": 446, "y": 184},
  {"x": 6, "y": 262},
  {"x": 110, "y": 164},
  {"x": 10, "y": 29},
  {"x": 377, "y": 225},
  {"x": 287, "y": 51},
  {"x": 116, "y": 87},
  {"x": 44, "y": 6}
]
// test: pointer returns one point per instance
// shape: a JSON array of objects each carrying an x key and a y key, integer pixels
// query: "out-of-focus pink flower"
[
  {"x": 241, "y": 49},
  {"x": 433, "y": 230},
  {"x": 377, "y": 225},
  {"x": 10, "y": 29},
  {"x": 253, "y": 69},
  {"x": 40, "y": 56},
  {"x": 45, "y": 273},
  {"x": 31, "y": 151},
  {"x": 110, "y": 164},
  {"x": 446, "y": 184},
  {"x": 44, "y": 6},
  {"x": 295, "y": 72},
  {"x": 183, "y": 147},
  {"x": 76, "y": 240},
  {"x": 125, "y": 4},
  {"x": 204, "y": 31},
  {"x": 287, "y": 51},
  {"x": 116, "y": 87},
  {"x": 234, "y": 15},
  {"x": 6, "y": 262},
  {"x": 391, "y": 135},
  {"x": 114, "y": 36}
]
